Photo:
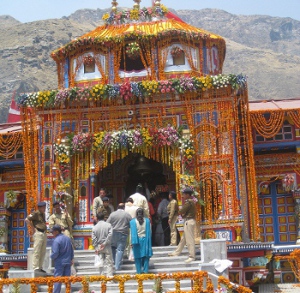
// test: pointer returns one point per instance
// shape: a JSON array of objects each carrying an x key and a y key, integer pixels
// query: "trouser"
[
  {"x": 142, "y": 264},
  {"x": 39, "y": 249},
  {"x": 173, "y": 231},
  {"x": 106, "y": 255},
  {"x": 166, "y": 230},
  {"x": 188, "y": 238},
  {"x": 118, "y": 245},
  {"x": 60, "y": 271}
]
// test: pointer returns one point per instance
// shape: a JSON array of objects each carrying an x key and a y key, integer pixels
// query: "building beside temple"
[{"x": 142, "y": 99}]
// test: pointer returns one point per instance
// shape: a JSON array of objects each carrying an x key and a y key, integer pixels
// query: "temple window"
[
  {"x": 131, "y": 60},
  {"x": 89, "y": 64},
  {"x": 178, "y": 55},
  {"x": 207, "y": 140}
]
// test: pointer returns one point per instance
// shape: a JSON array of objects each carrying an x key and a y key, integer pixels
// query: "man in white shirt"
[{"x": 140, "y": 200}]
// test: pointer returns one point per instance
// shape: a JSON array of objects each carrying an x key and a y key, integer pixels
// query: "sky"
[{"x": 32, "y": 10}]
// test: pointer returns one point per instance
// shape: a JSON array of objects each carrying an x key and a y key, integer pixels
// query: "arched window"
[
  {"x": 47, "y": 170},
  {"x": 47, "y": 154},
  {"x": 207, "y": 140},
  {"x": 83, "y": 190},
  {"x": 47, "y": 192}
]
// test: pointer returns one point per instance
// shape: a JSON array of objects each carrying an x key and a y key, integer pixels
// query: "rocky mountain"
[{"x": 266, "y": 49}]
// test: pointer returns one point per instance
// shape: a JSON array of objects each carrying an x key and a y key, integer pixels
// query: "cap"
[
  {"x": 56, "y": 203},
  {"x": 56, "y": 228},
  {"x": 173, "y": 193},
  {"x": 188, "y": 190},
  {"x": 41, "y": 204},
  {"x": 105, "y": 198}
]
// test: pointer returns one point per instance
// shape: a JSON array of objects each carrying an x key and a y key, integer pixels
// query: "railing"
[{"x": 200, "y": 283}]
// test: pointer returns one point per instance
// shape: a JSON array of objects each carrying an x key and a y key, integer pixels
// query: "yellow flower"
[
  {"x": 134, "y": 14},
  {"x": 105, "y": 16}
]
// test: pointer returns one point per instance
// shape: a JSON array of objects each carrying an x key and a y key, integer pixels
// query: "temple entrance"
[{"x": 121, "y": 177}]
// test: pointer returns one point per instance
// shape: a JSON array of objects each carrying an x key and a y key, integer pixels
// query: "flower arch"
[{"x": 90, "y": 152}]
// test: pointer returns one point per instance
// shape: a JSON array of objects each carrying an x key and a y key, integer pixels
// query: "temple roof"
[
  {"x": 106, "y": 35},
  {"x": 273, "y": 105}
]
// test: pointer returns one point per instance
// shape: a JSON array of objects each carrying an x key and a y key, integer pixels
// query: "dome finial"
[
  {"x": 136, "y": 5},
  {"x": 157, "y": 3},
  {"x": 114, "y": 4}
]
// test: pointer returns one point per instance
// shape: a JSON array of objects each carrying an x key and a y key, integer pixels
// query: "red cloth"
[{"x": 13, "y": 112}]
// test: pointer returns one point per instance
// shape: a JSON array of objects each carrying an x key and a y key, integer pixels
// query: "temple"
[{"x": 142, "y": 99}]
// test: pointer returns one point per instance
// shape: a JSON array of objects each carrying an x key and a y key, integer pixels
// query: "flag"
[{"x": 14, "y": 111}]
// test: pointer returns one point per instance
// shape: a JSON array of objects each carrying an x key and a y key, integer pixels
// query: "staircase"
[{"x": 160, "y": 262}]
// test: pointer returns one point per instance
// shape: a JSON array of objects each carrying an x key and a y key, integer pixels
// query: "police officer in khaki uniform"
[
  {"x": 98, "y": 203},
  {"x": 105, "y": 209},
  {"x": 172, "y": 209},
  {"x": 37, "y": 222},
  {"x": 62, "y": 218},
  {"x": 188, "y": 212}
]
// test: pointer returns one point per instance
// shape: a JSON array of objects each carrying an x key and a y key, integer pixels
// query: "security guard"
[
  {"x": 98, "y": 203},
  {"x": 105, "y": 209},
  {"x": 62, "y": 218},
  {"x": 188, "y": 212},
  {"x": 37, "y": 222}
]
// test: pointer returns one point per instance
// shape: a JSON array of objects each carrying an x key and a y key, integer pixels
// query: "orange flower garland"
[{"x": 197, "y": 277}]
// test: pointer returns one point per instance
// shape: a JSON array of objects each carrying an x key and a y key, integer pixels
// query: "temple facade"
[{"x": 142, "y": 99}]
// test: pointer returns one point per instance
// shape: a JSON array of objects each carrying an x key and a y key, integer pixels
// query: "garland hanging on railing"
[
  {"x": 267, "y": 127},
  {"x": 55, "y": 98},
  {"x": 10, "y": 143},
  {"x": 200, "y": 280}
]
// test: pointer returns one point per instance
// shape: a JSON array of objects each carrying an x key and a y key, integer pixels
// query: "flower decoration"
[
  {"x": 144, "y": 14},
  {"x": 176, "y": 51},
  {"x": 288, "y": 182},
  {"x": 149, "y": 87},
  {"x": 128, "y": 90},
  {"x": 167, "y": 136},
  {"x": 88, "y": 60},
  {"x": 62, "y": 152},
  {"x": 82, "y": 142},
  {"x": 133, "y": 50},
  {"x": 165, "y": 86},
  {"x": 2, "y": 231},
  {"x": 98, "y": 91},
  {"x": 11, "y": 198}
]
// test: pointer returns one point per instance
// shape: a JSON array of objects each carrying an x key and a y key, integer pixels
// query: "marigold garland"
[
  {"x": 197, "y": 277},
  {"x": 10, "y": 143}
]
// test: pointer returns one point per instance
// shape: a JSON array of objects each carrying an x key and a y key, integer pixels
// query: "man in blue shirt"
[{"x": 62, "y": 255}]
